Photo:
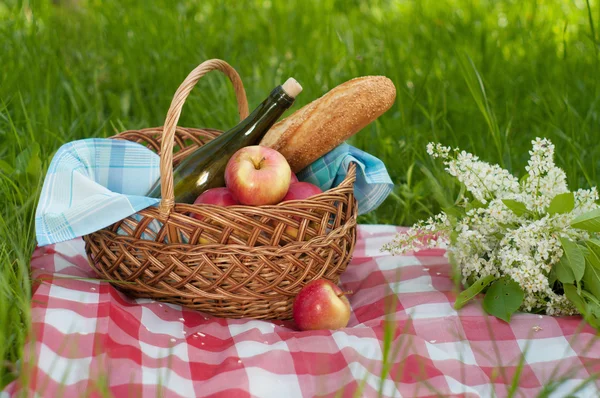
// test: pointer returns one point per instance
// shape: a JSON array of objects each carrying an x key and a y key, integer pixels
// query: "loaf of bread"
[{"x": 325, "y": 123}]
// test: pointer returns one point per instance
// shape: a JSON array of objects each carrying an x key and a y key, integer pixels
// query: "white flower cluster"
[
  {"x": 483, "y": 180},
  {"x": 491, "y": 239},
  {"x": 544, "y": 179}
]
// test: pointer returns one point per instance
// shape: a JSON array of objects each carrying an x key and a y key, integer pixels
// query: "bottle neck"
[
  {"x": 279, "y": 96},
  {"x": 265, "y": 114}
]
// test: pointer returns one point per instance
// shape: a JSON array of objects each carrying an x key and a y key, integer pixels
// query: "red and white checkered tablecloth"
[{"x": 89, "y": 338}]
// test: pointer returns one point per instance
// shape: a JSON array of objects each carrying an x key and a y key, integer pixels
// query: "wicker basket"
[{"x": 236, "y": 262}]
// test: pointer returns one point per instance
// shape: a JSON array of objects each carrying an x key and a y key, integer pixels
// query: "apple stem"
[
  {"x": 346, "y": 293},
  {"x": 259, "y": 165}
]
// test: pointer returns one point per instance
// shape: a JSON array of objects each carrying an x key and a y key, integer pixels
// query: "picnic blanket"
[{"x": 91, "y": 340}]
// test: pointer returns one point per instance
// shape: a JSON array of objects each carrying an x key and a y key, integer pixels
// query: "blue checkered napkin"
[
  {"x": 92, "y": 184},
  {"x": 373, "y": 183}
]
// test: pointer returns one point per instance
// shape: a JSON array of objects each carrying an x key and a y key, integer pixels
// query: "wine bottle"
[{"x": 205, "y": 167}]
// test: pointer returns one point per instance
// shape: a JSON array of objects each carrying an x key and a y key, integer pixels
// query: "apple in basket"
[
  {"x": 321, "y": 304},
  {"x": 299, "y": 191},
  {"x": 293, "y": 177},
  {"x": 257, "y": 175},
  {"x": 215, "y": 196}
]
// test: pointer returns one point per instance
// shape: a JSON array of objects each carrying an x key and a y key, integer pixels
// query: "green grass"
[{"x": 487, "y": 76}]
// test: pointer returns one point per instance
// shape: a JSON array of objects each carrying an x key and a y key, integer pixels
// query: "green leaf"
[
  {"x": 592, "y": 258},
  {"x": 507, "y": 226},
  {"x": 467, "y": 295},
  {"x": 591, "y": 280},
  {"x": 475, "y": 204},
  {"x": 21, "y": 161},
  {"x": 584, "y": 250},
  {"x": 28, "y": 161},
  {"x": 552, "y": 277},
  {"x": 589, "y": 221},
  {"x": 589, "y": 298},
  {"x": 453, "y": 236},
  {"x": 523, "y": 180},
  {"x": 456, "y": 272},
  {"x": 34, "y": 165},
  {"x": 561, "y": 204},
  {"x": 503, "y": 298},
  {"x": 592, "y": 316},
  {"x": 563, "y": 272},
  {"x": 517, "y": 207},
  {"x": 455, "y": 211},
  {"x": 573, "y": 257},
  {"x": 594, "y": 252},
  {"x": 571, "y": 293},
  {"x": 590, "y": 308}
]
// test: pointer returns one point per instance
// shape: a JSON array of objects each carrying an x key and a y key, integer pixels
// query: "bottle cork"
[{"x": 292, "y": 87}]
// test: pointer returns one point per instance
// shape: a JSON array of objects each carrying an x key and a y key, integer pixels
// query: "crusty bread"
[{"x": 325, "y": 123}]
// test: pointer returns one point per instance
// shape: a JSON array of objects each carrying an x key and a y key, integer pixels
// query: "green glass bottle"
[{"x": 205, "y": 167}]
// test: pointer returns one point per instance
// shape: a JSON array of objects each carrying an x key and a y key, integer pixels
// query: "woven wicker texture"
[{"x": 238, "y": 261}]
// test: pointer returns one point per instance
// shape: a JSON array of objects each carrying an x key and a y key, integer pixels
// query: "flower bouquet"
[{"x": 530, "y": 244}]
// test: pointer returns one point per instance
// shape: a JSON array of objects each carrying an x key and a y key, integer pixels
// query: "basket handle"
[{"x": 166, "y": 147}]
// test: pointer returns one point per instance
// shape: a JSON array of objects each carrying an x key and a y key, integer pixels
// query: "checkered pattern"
[
  {"x": 373, "y": 183},
  {"x": 88, "y": 337},
  {"x": 91, "y": 184}
]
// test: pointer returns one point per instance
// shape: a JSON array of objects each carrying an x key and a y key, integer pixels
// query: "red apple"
[
  {"x": 321, "y": 305},
  {"x": 293, "y": 177},
  {"x": 301, "y": 190},
  {"x": 297, "y": 191},
  {"x": 215, "y": 196},
  {"x": 258, "y": 175}
]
